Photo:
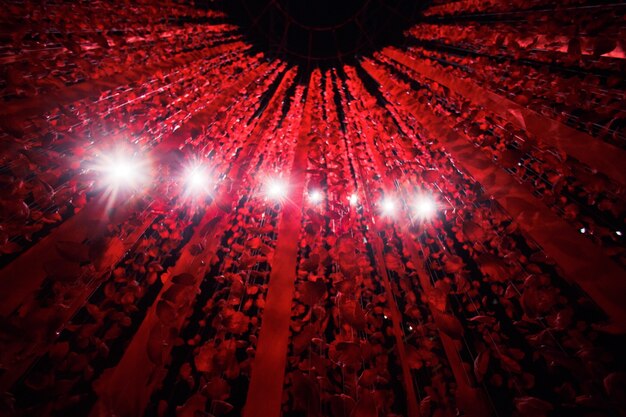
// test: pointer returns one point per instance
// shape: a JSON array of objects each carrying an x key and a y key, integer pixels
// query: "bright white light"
[
  {"x": 583, "y": 230},
  {"x": 388, "y": 206},
  {"x": 122, "y": 170},
  {"x": 425, "y": 207},
  {"x": 353, "y": 199},
  {"x": 410, "y": 328},
  {"x": 316, "y": 197},
  {"x": 618, "y": 233},
  {"x": 196, "y": 178},
  {"x": 276, "y": 189}
]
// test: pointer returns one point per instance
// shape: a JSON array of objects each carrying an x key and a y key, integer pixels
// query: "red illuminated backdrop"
[{"x": 191, "y": 225}]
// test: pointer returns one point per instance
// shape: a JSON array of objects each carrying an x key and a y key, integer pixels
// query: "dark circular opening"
[
  {"x": 322, "y": 31},
  {"x": 321, "y": 14}
]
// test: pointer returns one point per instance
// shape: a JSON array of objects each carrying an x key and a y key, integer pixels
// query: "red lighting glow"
[{"x": 194, "y": 222}]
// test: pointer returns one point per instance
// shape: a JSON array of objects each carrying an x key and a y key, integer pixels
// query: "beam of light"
[
  {"x": 388, "y": 206},
  {"x": 353, "y": 199},
  {"x": 276, "y": 189},
  {"x": 316, "y": 197},
  {"x": 425, "y": 207}
]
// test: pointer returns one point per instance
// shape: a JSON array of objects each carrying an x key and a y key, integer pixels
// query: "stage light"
[
  {"x": 122, "y": 170},
  {"x": 196, "y": 178},
  {"x": 276, "y": 189},
  {"x": 316, "y": 197},
  {"x": 425, "y": 207},
  {"x": 388, "y": 206},
  {"x": 353, "y": 199}
]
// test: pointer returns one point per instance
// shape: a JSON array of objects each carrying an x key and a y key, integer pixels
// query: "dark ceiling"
[{"x": 322, "y": 30}]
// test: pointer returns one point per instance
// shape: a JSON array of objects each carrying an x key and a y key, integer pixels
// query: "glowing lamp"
[
  {"x": 316, "y": 197},
  {"x": 276, "y": 189},
  {"x": 388, "y": 206},
  {"x": 196, "y": 179},
  {"x": 122, "y": 171},
  {"x": 425, "y": 207}
]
